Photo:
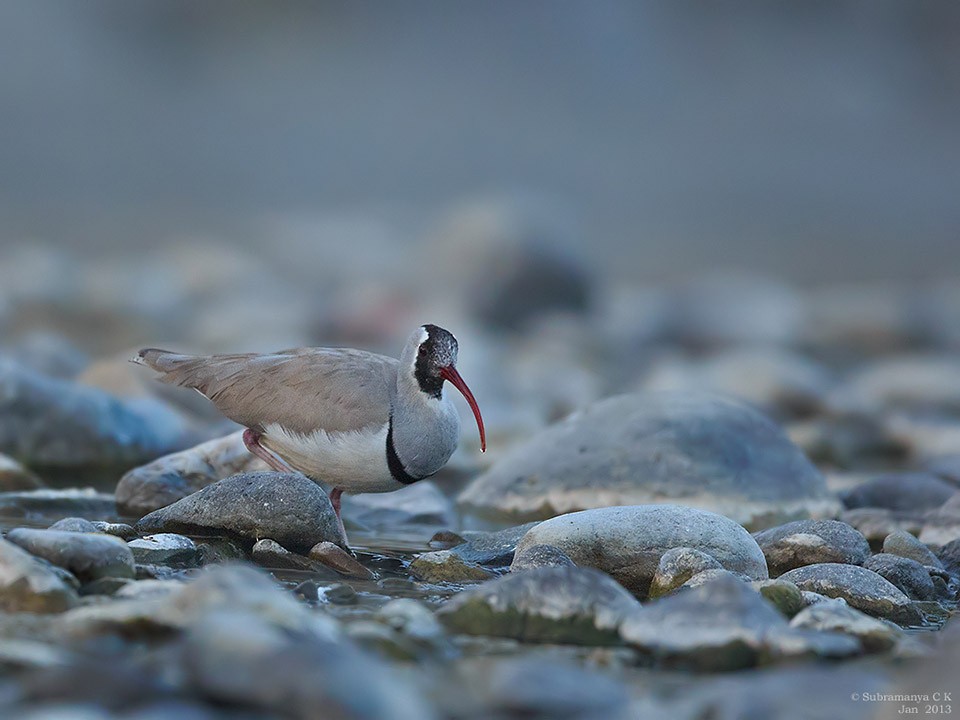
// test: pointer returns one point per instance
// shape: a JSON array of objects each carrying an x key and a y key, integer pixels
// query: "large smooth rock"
[
  {"x": 172, "y": 477},
  {"x": 56, "y": 424},
  {"x": 703, "y": 450},
  {"x": 87, "y": 555},
  {"x": 724, "y": 625},
  {"x": 808, "y": 542},
  {"x": 861, "y": 588},
  {"x": 28, "y": 584},
  {"x": 551, "y": 604},
  {"x": 287, "y": 508},
  {"x": 628, "y": 542}
]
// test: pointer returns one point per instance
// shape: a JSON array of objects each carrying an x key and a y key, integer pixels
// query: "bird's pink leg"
[
  {"x": 251, "y": 438},
  {"x": 335, "y": 494}
]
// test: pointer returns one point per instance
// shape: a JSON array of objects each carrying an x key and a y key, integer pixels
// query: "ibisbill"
[{"x": 358, "y": 421}]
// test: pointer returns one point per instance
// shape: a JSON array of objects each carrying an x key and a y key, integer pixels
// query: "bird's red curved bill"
[{"x": 450, "y": 373}]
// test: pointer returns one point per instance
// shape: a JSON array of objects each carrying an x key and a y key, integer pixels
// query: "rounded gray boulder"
[
  {"x": 285, "y": 507},
  {"x": 628, "y": 542},
  {"x": 704, "y": 450}
]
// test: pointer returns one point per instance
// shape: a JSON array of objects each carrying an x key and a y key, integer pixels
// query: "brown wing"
[{"x": 303, "y": 390}]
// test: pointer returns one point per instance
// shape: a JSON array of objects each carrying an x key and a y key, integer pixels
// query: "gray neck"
[{"x": 424, "y": 430}]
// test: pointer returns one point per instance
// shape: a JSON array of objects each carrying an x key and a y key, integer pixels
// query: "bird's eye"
[{"x": 423, "y": 350}]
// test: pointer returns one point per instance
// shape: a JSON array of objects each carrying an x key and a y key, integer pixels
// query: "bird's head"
[{"x": 431, "y": 354}]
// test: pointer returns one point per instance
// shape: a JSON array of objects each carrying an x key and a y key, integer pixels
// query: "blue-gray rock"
[
  {"x": 88, "y": 556},
  {"x": 724, "y": 625},
  {"x": 287, "y": 508},
  {"x": 56, "y": 424},
  {"x": 628, "y": 542},
  {"x": 703, "y": 450},
  {"x": 579, "y": 606},
  {"x": 808, "y": 542},
  {"x": 862, "y": 589}
]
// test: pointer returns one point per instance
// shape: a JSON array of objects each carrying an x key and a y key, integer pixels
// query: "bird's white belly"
[{"x": 355, "y": 461}]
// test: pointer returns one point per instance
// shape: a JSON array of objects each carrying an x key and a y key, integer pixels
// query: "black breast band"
[{"x": 397, "y": 470}]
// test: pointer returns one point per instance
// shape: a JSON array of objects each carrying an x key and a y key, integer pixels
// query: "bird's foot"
[{"x": 251, "y": 439}]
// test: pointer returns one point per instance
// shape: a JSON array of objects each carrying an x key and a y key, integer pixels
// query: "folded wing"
[{"x": 303, "y": 390}]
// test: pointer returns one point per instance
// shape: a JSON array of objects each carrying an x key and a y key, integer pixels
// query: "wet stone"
[
  {"x": 29, "y": 584},
  {"x": 172, "y": 477},
  {"x": 540, "y": 556},
  {"x": 862, "y": 589},
  {"x": 908, "y": 546},
  {"x": 87, "y": 555},
  {"x": 911, "y": 577},
  {"x": 837, "y": 616},
  {"x": 724, "y": 625},
  {"x": 446, "y": 566},
  {"x": 165, "y": 549},
  {"x": 677, "y": 566},
  {"x": 117, "y": 529},
  {"x": 628, "y": 542},
  {"x": 340, "y": 594},
  {"x": 578, "y": 606},
  {"x": 273, "y": 556},
  {"x": 335, "y": 557},
  {"x": 808, "y": 542},
  {"x": 784, "y": 596},
  {"x": 287, "y": 508},
  {"x": 706, "y": 451},
  {"x": 104, "y": 586},
  {"x": 445, "y": 539}
]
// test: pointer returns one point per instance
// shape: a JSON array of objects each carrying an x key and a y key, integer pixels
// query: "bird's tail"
[{"x": 160, "y": 360}]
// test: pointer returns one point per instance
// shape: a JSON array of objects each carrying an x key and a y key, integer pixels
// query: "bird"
[{"x": 356, "y": 420}]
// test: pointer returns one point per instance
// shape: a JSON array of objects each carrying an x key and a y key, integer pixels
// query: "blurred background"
[{"x": 250, "y": 175}]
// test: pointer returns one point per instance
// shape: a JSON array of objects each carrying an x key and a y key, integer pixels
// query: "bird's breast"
[{"x": 354, "y": 460}]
